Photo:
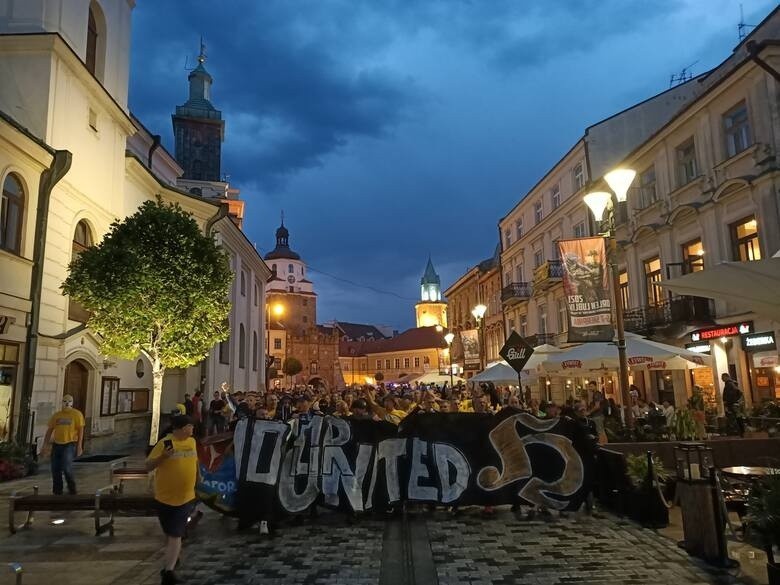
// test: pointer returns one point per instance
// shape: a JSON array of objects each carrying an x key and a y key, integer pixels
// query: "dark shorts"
[{"x": 173, "y": 519}]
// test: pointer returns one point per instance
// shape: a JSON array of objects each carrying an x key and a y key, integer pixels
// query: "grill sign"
[
  {"x": 571, "y": 364},
  {"x": 516, "y": 351},
  {"x": 759, "y": 341},
  {"x": 723, "y": 331}
]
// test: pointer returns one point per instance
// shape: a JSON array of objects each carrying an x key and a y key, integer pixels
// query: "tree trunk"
[{"x": 158, "y": 370}]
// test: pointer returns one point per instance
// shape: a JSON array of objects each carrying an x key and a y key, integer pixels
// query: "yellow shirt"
[
  {"x": 465, "y": 406},
  {"x": 175, "y": 477},
  {"x": 65, "y": 425}
]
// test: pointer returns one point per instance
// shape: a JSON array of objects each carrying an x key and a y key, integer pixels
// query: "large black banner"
[
  {"x": 586, "y": 286},
  {"x": 360, "y": 465}
]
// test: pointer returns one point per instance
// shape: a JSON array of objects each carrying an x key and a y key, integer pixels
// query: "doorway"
[{"x": 77, "y": 384}]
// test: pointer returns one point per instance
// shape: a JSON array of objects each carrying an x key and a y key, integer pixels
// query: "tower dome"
[{"x": 282, "y": 249}]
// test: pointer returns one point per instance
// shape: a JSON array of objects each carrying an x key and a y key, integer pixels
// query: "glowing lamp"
[
  {"x": 479, "y": 311},
  {"x": 619, "y": 181},
  {"x": 449, "y": 338},
  {"x": 597, "y": 201}
]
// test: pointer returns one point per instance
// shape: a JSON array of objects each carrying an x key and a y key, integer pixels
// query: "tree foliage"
[
  {"x": 155, "y": 285},
  {"x": 292, "y": 366}
]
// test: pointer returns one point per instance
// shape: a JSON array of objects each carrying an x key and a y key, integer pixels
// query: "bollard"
[{"x": 16, "y": 568}]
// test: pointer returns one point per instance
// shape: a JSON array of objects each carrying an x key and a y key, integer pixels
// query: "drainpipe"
[
  {"x": 155, "y": 145},
  {"x": 49, "y": 178},
  {"x": 204, "y": 365},
  {"x": 753, "y": 49}
]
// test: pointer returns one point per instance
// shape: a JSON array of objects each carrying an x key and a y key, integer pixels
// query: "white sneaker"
[{"x": 263, "y": 527}]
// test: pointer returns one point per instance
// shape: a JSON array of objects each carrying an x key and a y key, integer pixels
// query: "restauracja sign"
[{"x": 730, "y": 330}]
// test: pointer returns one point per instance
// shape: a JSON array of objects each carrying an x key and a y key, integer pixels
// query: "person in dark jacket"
[{"x": 732, "y": 399}]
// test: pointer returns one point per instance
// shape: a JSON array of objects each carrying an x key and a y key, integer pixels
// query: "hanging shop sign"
[
  {"x": 516, "y": 351},
  {"x": 759, "y": 341},
  {"x": 698, "y": 347},
  {"x": 470, "y": 340},
  {"x": 731, "y": 330}
]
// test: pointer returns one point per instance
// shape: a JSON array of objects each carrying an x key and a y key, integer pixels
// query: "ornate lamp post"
[
  {"x": 619, "y": 180},
  {"x": 449, "y": 339},
  {"x": 479, "y": 314}
]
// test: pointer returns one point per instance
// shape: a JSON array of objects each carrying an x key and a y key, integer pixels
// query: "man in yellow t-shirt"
[
  {"x": 174, "y": 460},
  {"x": 65, "y": 440}
]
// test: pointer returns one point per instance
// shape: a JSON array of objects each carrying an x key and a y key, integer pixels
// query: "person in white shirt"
[{"x": 668, "y": 413}]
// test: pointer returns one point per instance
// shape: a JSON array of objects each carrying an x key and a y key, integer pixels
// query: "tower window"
[
  {"x": 290, "y": 269},
  {"x": 94, "y": 56}
]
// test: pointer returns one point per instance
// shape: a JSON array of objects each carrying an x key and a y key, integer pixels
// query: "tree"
[
  {"x": 156, "y": 285},
  {"x": 292, "y": 366},
  {"x": 379, "y": 376}
]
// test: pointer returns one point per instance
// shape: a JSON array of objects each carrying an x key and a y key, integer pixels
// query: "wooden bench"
[
  {"x": 119, "y": 473},
  {"x": 105, "y": 504}
]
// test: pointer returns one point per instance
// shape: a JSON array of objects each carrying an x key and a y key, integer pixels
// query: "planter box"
[{"x": 647, "y": 507}]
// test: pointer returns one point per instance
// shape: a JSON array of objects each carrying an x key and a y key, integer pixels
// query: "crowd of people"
[{"x": 388, "y": 403}]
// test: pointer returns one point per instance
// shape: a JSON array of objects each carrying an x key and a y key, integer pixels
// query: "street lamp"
[
  {"x": 449, "y": 339},
  {"x": 619, "y": 180},
  {"x": 479, "y": 314},
  {"x": 278, "y": 310}
]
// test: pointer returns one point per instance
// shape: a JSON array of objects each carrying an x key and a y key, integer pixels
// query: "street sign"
[{"x": 516, "y": 351}]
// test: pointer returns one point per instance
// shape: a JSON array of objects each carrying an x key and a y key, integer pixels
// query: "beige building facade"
[{"x": 69, "y": 145}]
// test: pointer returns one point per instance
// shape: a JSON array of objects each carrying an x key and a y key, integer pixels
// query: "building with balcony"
[
  {"x": 707, "y": 192},
  {"x": 552, "y": 210},
  {"x": 480, "y": 284}
]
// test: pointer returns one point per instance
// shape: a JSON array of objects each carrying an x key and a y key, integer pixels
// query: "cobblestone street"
[{"x": 334, "y": 549}]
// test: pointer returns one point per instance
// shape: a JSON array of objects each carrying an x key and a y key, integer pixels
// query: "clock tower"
[{"x": 289, "y": 286}]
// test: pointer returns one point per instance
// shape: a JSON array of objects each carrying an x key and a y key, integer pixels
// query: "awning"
[{"x": 751, "y": 285}]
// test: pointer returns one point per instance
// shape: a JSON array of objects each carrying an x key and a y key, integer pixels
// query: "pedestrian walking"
[
  {"x": 65, "y": 441},
  {"x": 175, "y": 463},
  {"x": 732, "y": 402}
]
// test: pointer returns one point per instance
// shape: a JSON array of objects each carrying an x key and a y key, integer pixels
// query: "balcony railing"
[
  {"x": 548, "y": 274},
  {"x": 516, "y": 292},
  {"x": 679, "y": 310}
]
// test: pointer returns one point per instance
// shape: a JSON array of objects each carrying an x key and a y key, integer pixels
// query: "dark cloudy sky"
[{"x": 388, "y": 130}]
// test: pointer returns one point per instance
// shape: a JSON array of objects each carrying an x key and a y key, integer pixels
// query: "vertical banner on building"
[
  {"x": 586, "y": 286},
  {"x": 470, "y": 340}
]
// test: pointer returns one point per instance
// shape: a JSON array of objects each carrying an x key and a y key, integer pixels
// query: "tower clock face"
[{"x": 291, "y": 279}]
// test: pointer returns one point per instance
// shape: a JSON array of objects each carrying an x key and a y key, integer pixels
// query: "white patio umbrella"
[
  {"x": 604, "y": 356},
  {"x": 752, "y": 285},
  {"x": 438, "y": 379},
  {"x": 500, "y": 373}
]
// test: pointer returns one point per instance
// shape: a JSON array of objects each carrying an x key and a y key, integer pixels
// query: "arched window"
[
  {"x": 224, "y": 347},
  {"x": 290, "y": 268},
  {"x": 11, "y": 214},
  {"x": 254, "y": 351},
  {"x": 241, "y": 347},
  {"x": 273, "y": 269},
  {"x": 257, "y": 296},
  {"x": 243, "y": 284},
  {"x": 95, "y": 56},
  {"x": 82, "y": 239}
]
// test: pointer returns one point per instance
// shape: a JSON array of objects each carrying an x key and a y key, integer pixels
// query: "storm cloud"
[{"x": 388, "y": 130}]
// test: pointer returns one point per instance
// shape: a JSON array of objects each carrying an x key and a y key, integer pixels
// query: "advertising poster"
[{"x": 586, "y": 286}]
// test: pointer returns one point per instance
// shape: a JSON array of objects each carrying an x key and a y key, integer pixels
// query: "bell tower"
[
  {"x": 198, "y": 128},
  {"x": 431, "y": 310}
]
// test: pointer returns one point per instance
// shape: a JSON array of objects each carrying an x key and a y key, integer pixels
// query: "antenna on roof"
[
  {"x": 685, "y": 74},
  {"x": 742, "y": 28}
]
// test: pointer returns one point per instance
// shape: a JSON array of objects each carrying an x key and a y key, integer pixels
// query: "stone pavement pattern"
[{"x": 333, "y": 549}]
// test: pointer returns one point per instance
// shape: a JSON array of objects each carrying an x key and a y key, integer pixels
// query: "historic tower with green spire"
[{"x": 431, "y": 310}]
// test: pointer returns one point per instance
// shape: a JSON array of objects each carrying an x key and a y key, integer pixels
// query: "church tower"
[
  {"x": 431, "y": 310},
  {"x": 199, "y": 129}
]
